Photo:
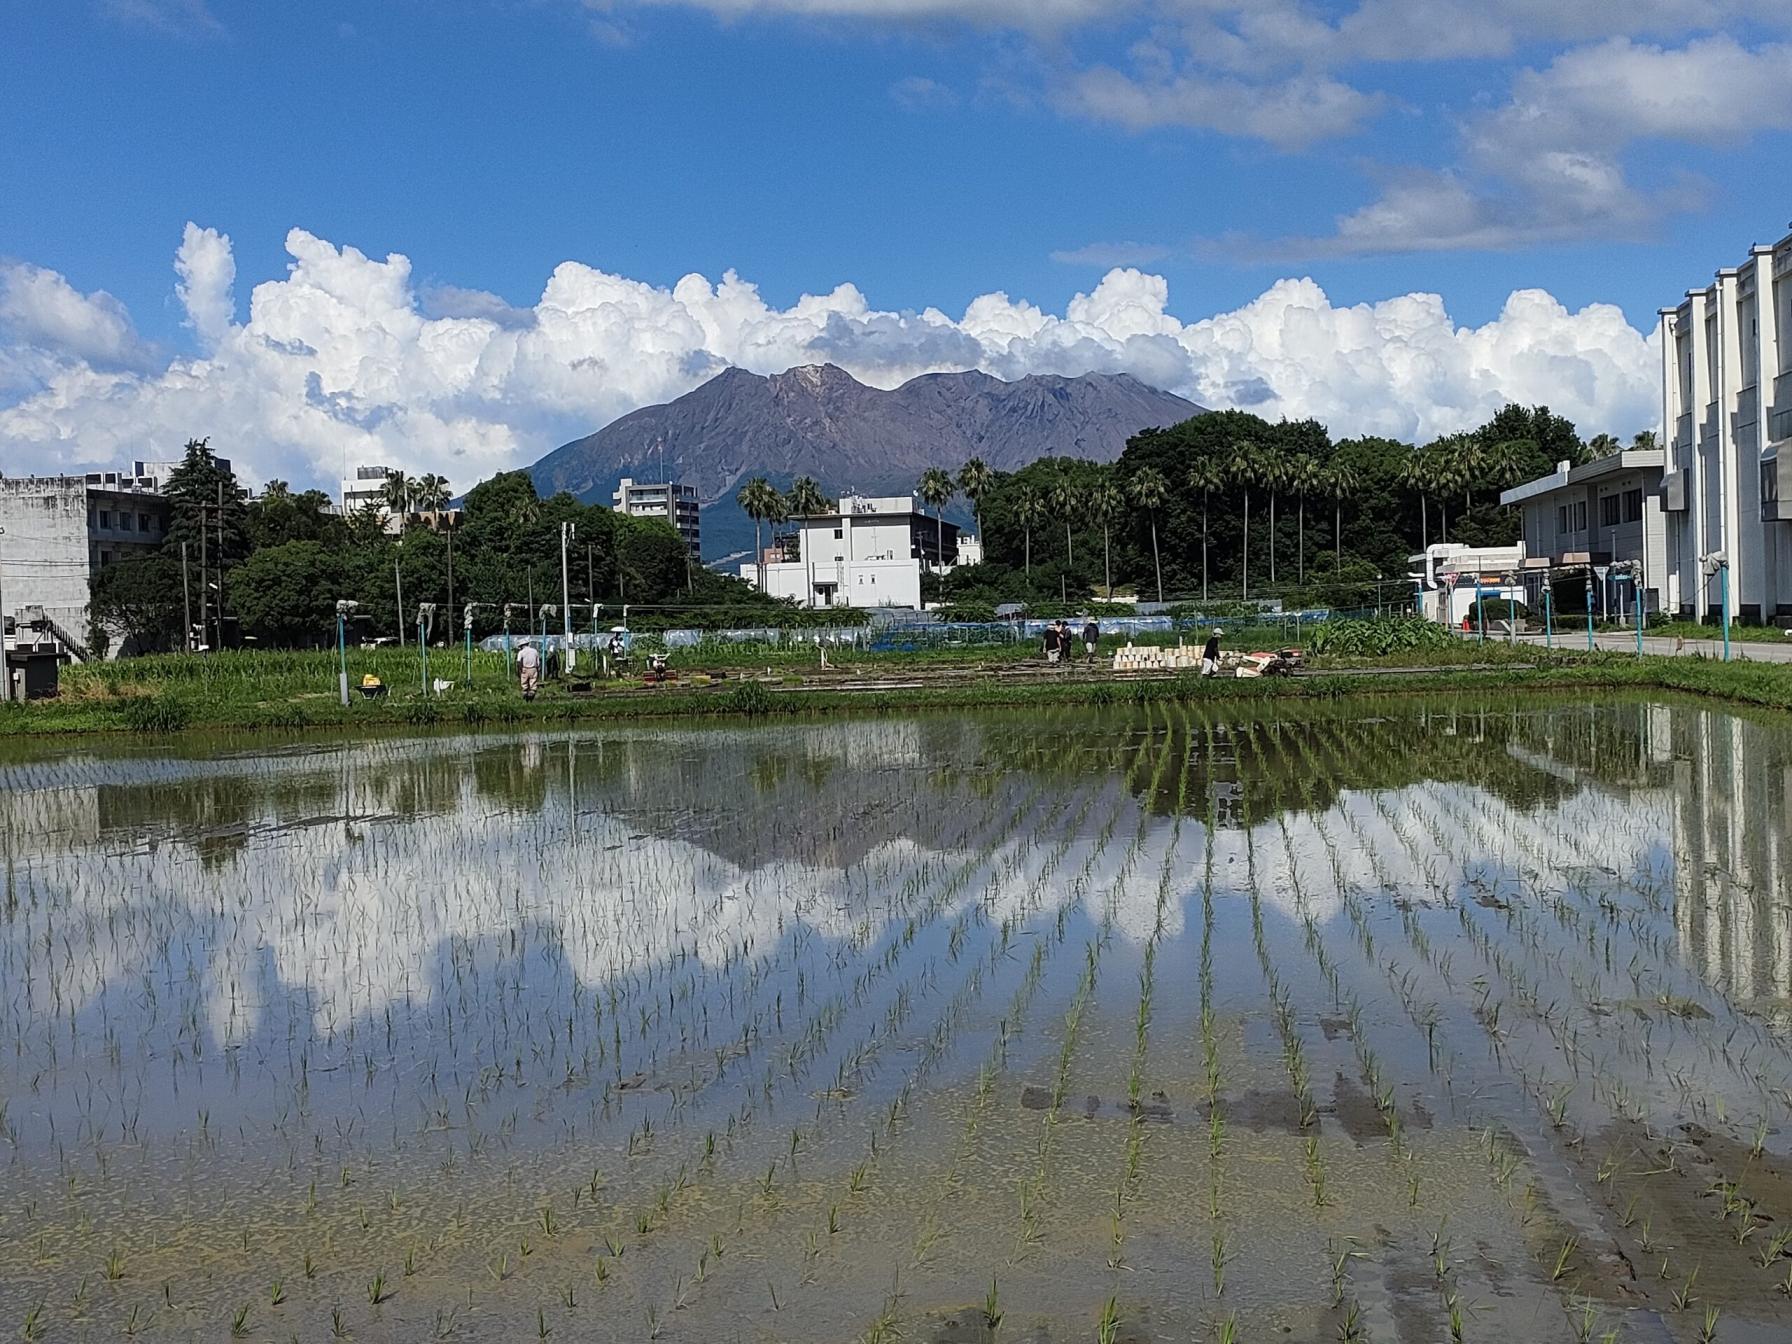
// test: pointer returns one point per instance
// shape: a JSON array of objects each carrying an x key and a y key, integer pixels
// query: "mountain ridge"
[{"x": 818, "y": 420}]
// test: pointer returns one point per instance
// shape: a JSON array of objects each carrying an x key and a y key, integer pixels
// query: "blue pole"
[
  {"x": 469, "y": 656},
  {"x": 1723, "y": 578},
  {"x": 1589, "y": 613},
  {"x": 1549, "y": 634},
  {"x": 1636, "y": 595},
  {"x": 1480, "y": 612}
]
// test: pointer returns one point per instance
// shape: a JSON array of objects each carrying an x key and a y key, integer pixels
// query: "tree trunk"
[
  {"x": 1301, "y": 546},
  {"x": 1156, "y": 563},
  {"x": 1443, "y": 521},
  {"x": 758, "y": 557},
  {"x": 1107, "y": 561},
  {"x": 1029, "y": 534},
  {"x": 1069, "y": 549},
  {"x": 1424, "y": 525},
  {"x": 1338, "y": 535},
  {"x": 1272, "y": 540},
  {"x": 1247, "y": 545},
  {"x": 939, "y": 537},
  {"x": 1203, "y": 545}
]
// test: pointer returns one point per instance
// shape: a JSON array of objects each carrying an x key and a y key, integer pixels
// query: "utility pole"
[
  {"x": 186, "y": 604},
  {"x": 204, "y": 581},
  {"x": 219, "y": 642},
  {"x": 567, "y": 531},
  {"x": 450, "y": 531},
  {"x": 398, "y": 586}
]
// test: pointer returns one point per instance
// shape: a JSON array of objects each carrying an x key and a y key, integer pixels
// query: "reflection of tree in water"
[{"x": 1254, "y": 762}]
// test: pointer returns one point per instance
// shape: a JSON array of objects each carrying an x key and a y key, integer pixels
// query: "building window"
[
  {"x": 1633, "y": 505},
  {"x": 105, "y": 517},
  {"x": 143, "y": 522},
  {"x": 1562, "y": 518},
  {"x": 839, "y": 533},
  {"x": 1580, "y": 516},
  {"x": 124, "y": 522},
  {"x": 1608, "y": 510}
]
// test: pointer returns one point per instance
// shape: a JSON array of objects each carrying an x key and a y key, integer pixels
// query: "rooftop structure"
[{"x": 671, "y": 500}]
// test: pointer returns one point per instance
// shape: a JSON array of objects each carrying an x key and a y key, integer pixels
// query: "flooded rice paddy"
[{"x": 1380, "y": 1022}]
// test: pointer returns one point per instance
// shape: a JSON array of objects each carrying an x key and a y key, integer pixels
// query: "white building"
[
  {"x": 60, "y": 531},
  {"x": 674, "y": 502},
  {"x": 868, "y": 554},
  {"x": 1726, "y": 380},
  {"x": 1449, "y": 576},
  {"x": 366, "y": 486},
  {"x": 1602, "y": 518}
]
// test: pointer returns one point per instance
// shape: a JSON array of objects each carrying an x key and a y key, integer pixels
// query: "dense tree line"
[
  {"x": 1229, "y": 505},
  {"x": 271, "y": 570}
]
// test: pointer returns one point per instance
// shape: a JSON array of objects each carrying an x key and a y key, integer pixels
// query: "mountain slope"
[{"x": 820, "y": 421}]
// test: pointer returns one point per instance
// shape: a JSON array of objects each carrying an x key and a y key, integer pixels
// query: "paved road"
[{"x": 1753, "y": 650}]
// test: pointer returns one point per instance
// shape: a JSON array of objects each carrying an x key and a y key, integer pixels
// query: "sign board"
[{"x": 1602, "y": 571}]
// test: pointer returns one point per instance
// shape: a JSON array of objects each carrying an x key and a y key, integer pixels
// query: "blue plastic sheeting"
[{"x": 906, "y": 636}]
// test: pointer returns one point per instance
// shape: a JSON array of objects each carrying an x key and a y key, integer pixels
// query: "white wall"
[{"x": 44, "y": 555}]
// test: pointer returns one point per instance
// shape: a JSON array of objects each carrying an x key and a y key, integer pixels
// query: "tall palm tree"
[
  {"x": 1272, "y": 475},
  {"x": 975, "y": 480},
  {"x": 1106, "y": 504},
  {"x": 936, "y": 488},
  {"x": 1207, "y": 474},
  {"x": 430, "y": 493},
  {"x": 1066, "y": 499},
  {"x": 806, "y": 498},
  {"x": 1602, "y": 445},
  {"x": 397, "y": 492},
  {"x": 1415, "y": 475},
  {"x": 1305, "y": 475},
  {"x": 276, "y": 489},
  {"x": 1645, "y": 440},
  {"x": 1341, "y": 482},
  {"x": 759, "y": 500},
  {"x": 1029, "y": 511},
  {"x": 1148, "y": 490},
  {"x": 1242, "y": 462}
]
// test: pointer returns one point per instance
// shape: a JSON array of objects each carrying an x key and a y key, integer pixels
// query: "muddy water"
[{"x": 1379, "y": 1022}]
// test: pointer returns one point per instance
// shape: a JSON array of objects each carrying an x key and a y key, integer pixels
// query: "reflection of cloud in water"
[{"x": 355, "y": 921}]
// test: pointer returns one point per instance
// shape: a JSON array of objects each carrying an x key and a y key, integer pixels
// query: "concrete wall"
[{"x": 44, "y": 556}]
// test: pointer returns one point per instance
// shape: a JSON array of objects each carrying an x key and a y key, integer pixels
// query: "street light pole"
[
  {"x": 1589, "y": 611},
  {"x": 5, "y": 667},
  {"x": 567, "y": 531},
  {"x": 343, "y": 610}
]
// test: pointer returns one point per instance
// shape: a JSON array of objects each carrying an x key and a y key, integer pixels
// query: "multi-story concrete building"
[
  {"x": 1600, "y": 519},
  {"x": 869, "y": 553},
  {"x": 60, "y": 531},
  {"x": 1726, "y": 379},
  {"x": 670, "y": 500},
  {"x": 366, "y": 486}
]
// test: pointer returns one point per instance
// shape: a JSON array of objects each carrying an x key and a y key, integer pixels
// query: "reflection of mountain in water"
[{"x": 289, "y": 899}]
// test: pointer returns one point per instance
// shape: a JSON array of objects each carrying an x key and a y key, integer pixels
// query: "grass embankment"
[{"x": 263, "y": 691}]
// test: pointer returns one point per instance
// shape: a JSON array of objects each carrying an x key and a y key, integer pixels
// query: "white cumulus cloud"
[{"x": 344, "y": 361}]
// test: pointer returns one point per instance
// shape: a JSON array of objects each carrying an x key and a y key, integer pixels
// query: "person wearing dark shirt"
[
  {"x": 1210, "y": 654},
  {"x": 1091, "y": 637}
]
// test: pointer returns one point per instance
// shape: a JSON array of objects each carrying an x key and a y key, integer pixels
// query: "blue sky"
[{"x": 921, "y": 152}]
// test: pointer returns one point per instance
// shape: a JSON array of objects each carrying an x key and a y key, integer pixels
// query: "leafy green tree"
[
  {"x": 141, "y": 599},
  {"x": 1030, "y": 510},
  {"x": 1340, "y": 481},
  {"x": 399, "y": 491},
  {"x": 285, "y": 596},
  {"x": 936, "y": 489},
  {"x": 807, "y": 499},
  {"x": 1242, "y": 466},
  {"x": 1206, "y": 474},
  {"x": 1106, "y": 504},
  {"x": 1066, "y": 502},
  {"x": 976, "y": 480},
  {"x": 1148, "y": 490},
  {"x": 760, "y": 501}
]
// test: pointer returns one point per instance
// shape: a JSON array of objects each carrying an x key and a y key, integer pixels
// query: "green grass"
[{"x": 265, "y": 692}]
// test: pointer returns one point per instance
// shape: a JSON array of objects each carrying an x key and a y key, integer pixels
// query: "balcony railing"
[{"x": 1779, "y": 419}]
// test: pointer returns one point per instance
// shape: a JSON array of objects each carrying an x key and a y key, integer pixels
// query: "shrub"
[
  {"x": 750, "y": 698},
  {"x": 1377, "y": 636},
  {"x": 156, "y": 714}
]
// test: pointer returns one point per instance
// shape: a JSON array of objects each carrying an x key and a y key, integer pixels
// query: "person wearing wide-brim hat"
[{"x": 1210, "y": 653}]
